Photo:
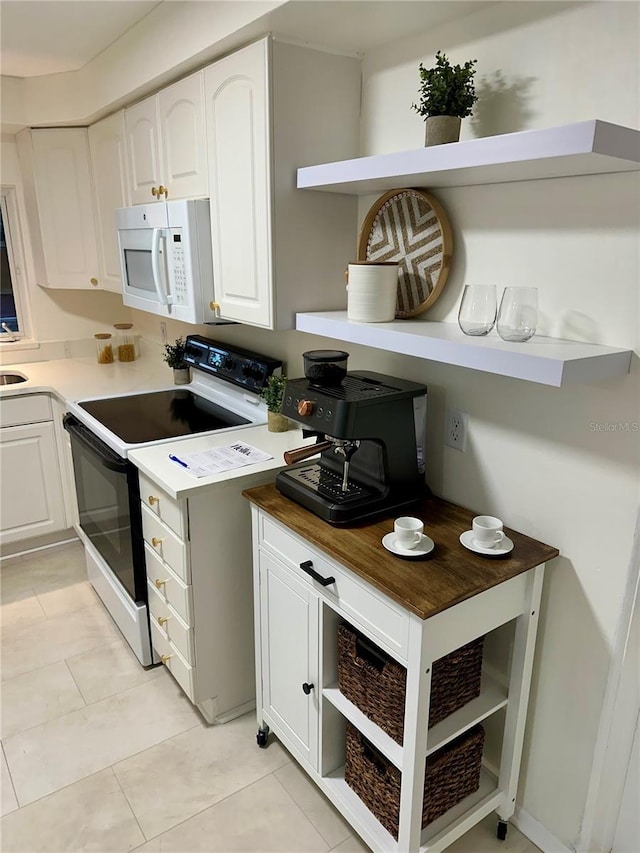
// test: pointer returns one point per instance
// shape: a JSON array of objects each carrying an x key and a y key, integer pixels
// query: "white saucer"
[
  {"x": 505, "y": 547},
  {"x": 425, "y": 546}
]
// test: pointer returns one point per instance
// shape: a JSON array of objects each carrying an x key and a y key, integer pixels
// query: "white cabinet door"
[
  {"x": 143, "y": 150},
  {"x": 166, "y": 143},
  {"x": 64, "y": 197},
  {"x": 236, "y": 107},
  {"x": 107, "y": 146},
  {"x": 32, "y": 502},
  {"x": 182, "y": 138},
  {"x": 289, "y": 632},
  {"x": 278, "y": 250}
]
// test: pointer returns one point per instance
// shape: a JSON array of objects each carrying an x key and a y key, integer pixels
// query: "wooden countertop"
[{"x": 447, "y": 576}]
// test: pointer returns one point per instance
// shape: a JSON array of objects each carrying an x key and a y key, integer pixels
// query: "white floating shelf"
[
  {"x": 586, "y": 148},
  {"x": 549, "y": 361}
]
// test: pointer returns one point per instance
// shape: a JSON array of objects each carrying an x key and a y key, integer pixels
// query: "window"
[{"x": 13, "y": 318}]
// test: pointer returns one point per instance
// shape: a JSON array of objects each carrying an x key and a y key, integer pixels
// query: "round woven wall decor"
[{"x": 409, "y": 226}]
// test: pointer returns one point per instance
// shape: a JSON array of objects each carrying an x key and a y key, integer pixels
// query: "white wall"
[{"x": 533, "y": 456}]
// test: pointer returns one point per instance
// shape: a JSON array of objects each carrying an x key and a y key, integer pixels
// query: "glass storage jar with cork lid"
[
  {"x": 104, "y": 348},
  {"x": 125, "y": 342}
]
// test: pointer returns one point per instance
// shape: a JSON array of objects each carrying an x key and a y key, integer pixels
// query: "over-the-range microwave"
[{"x": 166, "y": 259}]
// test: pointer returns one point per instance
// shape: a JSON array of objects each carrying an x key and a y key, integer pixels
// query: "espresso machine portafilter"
[{"x": 370, "y": 431}]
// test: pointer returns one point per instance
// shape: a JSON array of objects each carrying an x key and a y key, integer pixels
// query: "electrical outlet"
[
  {"x": 455, "y": 435},
  {"x": 163, "y": 331}
]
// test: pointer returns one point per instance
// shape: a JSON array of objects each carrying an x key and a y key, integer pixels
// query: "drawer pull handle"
[
  {"x": 163, "y": 619},
  {"x": 153, "y": 500},
  {"x": 155, "y": 541},
  {"x": 159, "y": 584},
  {"x": 307, "y": 688},
  {"x": 307, "y": 568},
  {"x": 165, "y": 658}
]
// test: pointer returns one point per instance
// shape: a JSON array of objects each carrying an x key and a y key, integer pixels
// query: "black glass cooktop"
[{"x": 160, "y": 414}]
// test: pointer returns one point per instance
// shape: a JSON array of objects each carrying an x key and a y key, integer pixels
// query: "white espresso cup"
[
  {"x": 487, "y": 531},
  {"x": 408, "y": 531},
  {"x": 372, "y": 291}
]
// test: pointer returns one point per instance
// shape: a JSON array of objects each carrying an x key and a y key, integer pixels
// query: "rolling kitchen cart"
[{"x": 310, "y": 580}]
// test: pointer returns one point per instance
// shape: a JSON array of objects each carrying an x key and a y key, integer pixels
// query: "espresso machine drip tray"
[{"x": 328, "y": 484}]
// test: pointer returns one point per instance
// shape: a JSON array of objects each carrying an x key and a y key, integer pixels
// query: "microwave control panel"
[
  {"x": 244, "y": 368},
  {"x": 176, "y": 267}
]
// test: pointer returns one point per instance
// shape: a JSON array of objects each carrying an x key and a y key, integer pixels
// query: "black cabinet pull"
[
  {"x": 307, "y": 567},
  {"x": 307, "y": 688}
]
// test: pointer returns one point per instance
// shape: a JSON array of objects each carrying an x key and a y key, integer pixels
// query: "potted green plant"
[
  {"x": 272, "y": 395},
  {"x": 447, "y": 95},
  {"x": 174, "y": 357}
]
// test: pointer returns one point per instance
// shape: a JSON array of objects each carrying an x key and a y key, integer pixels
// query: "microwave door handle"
[{"x": 155, "y": 266}]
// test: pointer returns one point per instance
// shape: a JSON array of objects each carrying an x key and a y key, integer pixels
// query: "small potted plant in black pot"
[
  {"x": 174, "y": 357},
  {"x": 447, "y": 95},
  {"x": 272, "y": 395}
]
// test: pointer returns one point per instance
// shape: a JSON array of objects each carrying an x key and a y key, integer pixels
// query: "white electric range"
[{"x": 224, "y": 395}]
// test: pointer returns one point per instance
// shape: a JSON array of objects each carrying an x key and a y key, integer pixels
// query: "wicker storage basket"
[
  {"x": 376, "y": 684},
  {"x": 451, "y": 774}
]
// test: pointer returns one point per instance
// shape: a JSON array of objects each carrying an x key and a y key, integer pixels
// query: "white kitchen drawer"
[
  {"x": 173, "y": 660},
  {"x": 164, "y": 506},
  {"x": 30, "y": 409},
  {"x": 166, "y": 544},
  {"x": 387, "y": 622},
  {"x": 178, "y": 632},
  {"x": 168, "y": 585}
]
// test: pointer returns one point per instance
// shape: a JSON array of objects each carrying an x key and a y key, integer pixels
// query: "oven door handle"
[{"x": 106, "y": 456}]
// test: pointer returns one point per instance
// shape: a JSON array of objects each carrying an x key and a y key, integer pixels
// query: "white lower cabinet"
[
  {"x": 199, "y": 579},
  {"x": 302, "y": 596},
  {"x": 289, "y": 632},
  {"x": 32, "y": 502}
]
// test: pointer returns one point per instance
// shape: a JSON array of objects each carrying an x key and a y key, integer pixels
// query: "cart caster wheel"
[
  {"x": 262, "y": 737},
  {"x": 501, "y": 830}
]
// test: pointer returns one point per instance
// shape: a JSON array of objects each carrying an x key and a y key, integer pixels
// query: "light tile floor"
[{"x": 99, "y": 754}]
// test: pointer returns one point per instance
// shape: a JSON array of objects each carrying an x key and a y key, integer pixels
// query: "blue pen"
[{"x": 179, "y": 461}]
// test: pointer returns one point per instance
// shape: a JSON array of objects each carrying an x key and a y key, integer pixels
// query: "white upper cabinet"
[
  {"x": 59, "y": 195},
  {"x": 109, "y": 168},
  {"x": 270, "y": 108},
  {"x": 166, "y": 145}
]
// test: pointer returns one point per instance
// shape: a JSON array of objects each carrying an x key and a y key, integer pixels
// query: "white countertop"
[
  {"x": 77, "y": 378},
  {"x": 155, "y": 463}
]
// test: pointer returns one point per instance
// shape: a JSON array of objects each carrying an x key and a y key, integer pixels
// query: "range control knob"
[{"x": 305, "y": 408}]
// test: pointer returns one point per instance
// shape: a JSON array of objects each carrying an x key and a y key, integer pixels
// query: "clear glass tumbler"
[
  {"x": 518, "y": 314},
  {"x": 477, "y": 313}
]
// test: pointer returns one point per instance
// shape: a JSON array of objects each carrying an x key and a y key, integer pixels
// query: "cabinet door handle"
[
  {"x": 155, "y": 191},
  {"x": 307, "y": 568},
  {"x": 162, "y": 190},
  {"x": 307, "y": 688},
  {"x": 159, "y": 584},
  {"x": 155, "y": 541},
  {"x": 153, "y": 500},
  {"x": 165, "y": 658},
  {"x": 163, "y": 619},
  {"x": 94, "y": 281}
]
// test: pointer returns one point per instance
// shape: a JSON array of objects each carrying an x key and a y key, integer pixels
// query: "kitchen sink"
[{"x": 11, "y": 378}]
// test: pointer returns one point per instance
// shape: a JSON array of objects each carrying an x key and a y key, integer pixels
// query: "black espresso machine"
[{"x": 370, "y": 432}]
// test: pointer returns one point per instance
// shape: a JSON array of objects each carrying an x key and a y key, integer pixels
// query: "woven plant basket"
[
  {"x": 451, "y": 774},
  {"x": 376, "y": 684}
]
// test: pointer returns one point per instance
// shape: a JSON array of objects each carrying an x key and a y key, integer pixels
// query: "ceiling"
[{"x": 40, "y": 37}]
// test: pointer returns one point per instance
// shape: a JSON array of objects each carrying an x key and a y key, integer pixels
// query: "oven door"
[{"x": 109, "y": 507}]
